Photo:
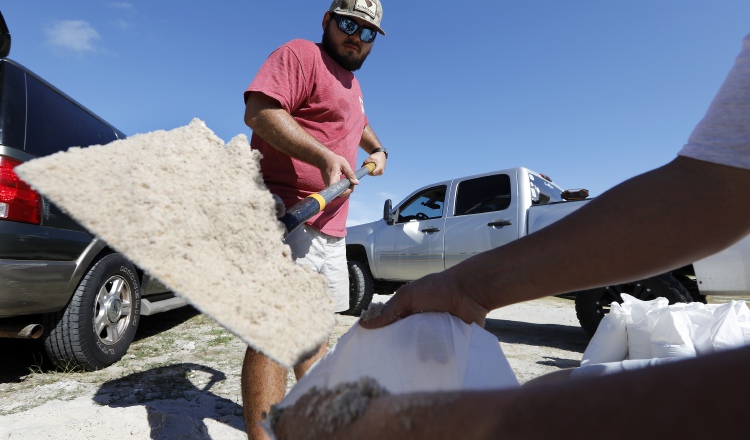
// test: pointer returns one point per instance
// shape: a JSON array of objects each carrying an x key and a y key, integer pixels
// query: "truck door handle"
[
  {"x": 500, "y": 223},
  {"x": 431, "y": 229}
]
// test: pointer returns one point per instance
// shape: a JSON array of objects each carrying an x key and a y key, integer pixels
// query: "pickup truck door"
[
  {"x": 413, "y": 246},
  {"x": 485, "y": 216}
]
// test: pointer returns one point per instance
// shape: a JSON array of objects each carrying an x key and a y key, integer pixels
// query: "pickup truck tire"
[
  {"x": 592, "y": 305},
  {"x": 691, "y": 285},
  {"x": 361, "y": 287},
  {"x": 96, "y": 328}
]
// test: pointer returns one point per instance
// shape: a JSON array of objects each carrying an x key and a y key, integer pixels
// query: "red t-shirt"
[{"x": 325, "y": 99}]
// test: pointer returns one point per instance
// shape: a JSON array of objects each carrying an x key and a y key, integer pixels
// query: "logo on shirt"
[{"x": 362, "y": 103}]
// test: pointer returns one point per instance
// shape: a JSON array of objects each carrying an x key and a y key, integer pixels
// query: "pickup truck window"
[
  {"x": 483, "y": 194},
  {"x": 543, "y": 192},
  {"x": 424, "y": 206}
]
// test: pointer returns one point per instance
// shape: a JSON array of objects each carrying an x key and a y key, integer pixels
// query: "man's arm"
[
  {"x": 265, "y": 116},
  {"x": 660, "y": 220},
  {"x": 370, "y": 143}
]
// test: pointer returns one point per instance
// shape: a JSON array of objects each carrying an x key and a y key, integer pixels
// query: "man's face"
[{"x": 347, "y": 50}]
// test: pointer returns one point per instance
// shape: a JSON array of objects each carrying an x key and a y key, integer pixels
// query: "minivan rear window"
[
  {"x": 12, "y": 106},
  {"x": 55, "y": 123}
]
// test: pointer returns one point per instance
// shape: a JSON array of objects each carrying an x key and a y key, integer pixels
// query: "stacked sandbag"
[{"x": 643, "y": 330}]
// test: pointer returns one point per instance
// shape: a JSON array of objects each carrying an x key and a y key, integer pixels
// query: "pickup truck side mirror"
[{"x": 387, "y": 215}]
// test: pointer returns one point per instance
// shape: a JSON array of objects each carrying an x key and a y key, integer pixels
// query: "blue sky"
[{"x": 588, "y": 92}]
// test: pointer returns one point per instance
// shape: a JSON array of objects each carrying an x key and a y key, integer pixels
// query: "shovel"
[
  {"x": 314, "y": 203},
  {"x": 196, "y": 215}
]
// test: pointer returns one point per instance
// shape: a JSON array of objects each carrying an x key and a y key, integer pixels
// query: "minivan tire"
[
  {"x": 361, "y": 287},
  {"x": 96, "y": 328}
]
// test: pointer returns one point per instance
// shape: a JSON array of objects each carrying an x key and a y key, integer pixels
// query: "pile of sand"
[{"x": 194, "y": 213}]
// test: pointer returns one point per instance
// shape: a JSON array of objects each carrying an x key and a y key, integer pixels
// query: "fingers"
[
  {"x": 379, "y": 161},
  {"x": 348, "y": 172},
  {"x": 433, "y": 293},
  {"x": 335, "y": 167},
  {"x": 396, "y": 308}
]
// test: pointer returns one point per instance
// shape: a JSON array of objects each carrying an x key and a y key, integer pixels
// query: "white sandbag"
[
  {"x": 726, "y": 332},
  {"x": 701, "y": 318},
  {"x": 743, "y": 312},
  {"x": 642, "y": 314},
  {"x": 743, "y": 319},
  {"x": 423, "y": 352},
  {"x": 654, "y": 329},
  {"x": 610, "y": 342},
  {"x": 670, "y": 334}
]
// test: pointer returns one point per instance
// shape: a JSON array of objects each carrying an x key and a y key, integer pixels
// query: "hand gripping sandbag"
[{"x": 421, "y": 353}]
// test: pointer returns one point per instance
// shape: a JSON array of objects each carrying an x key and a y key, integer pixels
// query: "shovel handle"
[{"x": 303, "y": 210}]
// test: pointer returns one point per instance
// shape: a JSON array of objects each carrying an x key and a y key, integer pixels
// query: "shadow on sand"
[
  {"x": 563, "y": 337},
  {"x": 177, "y": 399}
]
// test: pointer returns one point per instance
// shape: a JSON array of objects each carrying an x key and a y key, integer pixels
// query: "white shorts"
[{"x": 326, "y": 255}]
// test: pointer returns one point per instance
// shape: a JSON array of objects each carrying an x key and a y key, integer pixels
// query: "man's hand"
[
  {"x": 333, "y": 167},
  {"x": 439, "y": 292},
  {"x": 379, "y": 160}
]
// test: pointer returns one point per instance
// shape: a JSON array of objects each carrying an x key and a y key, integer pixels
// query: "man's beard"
[{"x": 348, "y": 62}]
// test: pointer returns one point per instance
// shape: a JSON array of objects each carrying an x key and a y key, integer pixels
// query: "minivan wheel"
[
  {"x": 98, "y": 325},
  {"x": 361, "y": 287}
]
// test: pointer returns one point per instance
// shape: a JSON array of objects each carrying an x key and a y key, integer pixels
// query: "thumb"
[
  {"x": 382, "y": 314},
  {"x": 347, "y": 171}
]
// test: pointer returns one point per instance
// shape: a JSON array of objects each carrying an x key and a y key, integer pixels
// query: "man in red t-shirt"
[{"x": 306, "y": 111}]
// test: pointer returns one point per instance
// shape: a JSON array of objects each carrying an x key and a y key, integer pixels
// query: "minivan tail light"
[{"x": 18, "y": 202}]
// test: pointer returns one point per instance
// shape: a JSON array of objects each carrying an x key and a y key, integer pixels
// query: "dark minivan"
[{"x": 58, "y": 282}]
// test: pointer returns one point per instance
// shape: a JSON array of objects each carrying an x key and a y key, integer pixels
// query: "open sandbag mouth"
[{"x": 194, "y": 213}]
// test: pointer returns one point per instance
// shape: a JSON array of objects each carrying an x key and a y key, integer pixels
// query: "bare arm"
[
  {"x": 276, "y": 126},
  {"x": 660, "y": 220}
]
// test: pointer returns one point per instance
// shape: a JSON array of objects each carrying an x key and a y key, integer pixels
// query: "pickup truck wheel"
[
  {"x": 592, "y": 305},
  {"x": 361, "y": 287},
  {"x": 691, "y": 285},
  {"x": 98, "y": 325}
]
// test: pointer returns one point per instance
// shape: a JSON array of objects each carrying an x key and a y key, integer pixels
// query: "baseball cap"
[{"x": 368, "y": 10}]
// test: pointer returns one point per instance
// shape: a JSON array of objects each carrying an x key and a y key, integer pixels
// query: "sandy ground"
[{"x": 180, "y": 378}]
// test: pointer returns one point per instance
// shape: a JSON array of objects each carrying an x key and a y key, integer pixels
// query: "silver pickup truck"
[{"x": 440, "y": 225}]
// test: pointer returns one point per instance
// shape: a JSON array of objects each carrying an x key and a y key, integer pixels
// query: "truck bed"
[{"x": 540, "y": 216}]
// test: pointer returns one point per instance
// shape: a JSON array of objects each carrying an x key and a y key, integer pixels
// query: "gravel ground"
[{"x": 180, "y": 378}]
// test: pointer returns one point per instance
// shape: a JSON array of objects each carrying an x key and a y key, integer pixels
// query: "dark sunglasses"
[{"x": 349, "y": 26}]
